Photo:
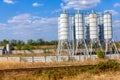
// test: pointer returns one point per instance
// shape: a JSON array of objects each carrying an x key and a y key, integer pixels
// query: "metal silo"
[
  {"x": 107, "y": 26},
  {"x": 79, "y": 26},
  {"x": 107, "y": 31},
  {"x": 94, "y": 33},
  {"x": 63, "y": 32},
  {"x": 108, "y": 34},
  {"x": 93, "y": 26},
  {"x": 79, "y": 33},
  {"x": 64, "y": 26}
]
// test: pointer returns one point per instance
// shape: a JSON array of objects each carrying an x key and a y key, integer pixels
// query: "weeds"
[
  {"x": 64, "y": 73},
  {"x": 110, "y": 65},
  {"x": 57, "y": 74}
]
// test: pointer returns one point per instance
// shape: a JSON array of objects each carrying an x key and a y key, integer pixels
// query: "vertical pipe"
[
  {"x": 73, "y": 34},
  {"x": 91, "y": 49},
  {"x": 106, "y": 44}
]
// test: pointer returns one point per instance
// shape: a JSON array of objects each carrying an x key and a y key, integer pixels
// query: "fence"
[
  {"x": 32, "y": 51},
  {"x": 55, "y": 58}
]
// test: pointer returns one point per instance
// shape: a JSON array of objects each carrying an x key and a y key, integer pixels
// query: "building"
[{"x": 2, "y": 50}]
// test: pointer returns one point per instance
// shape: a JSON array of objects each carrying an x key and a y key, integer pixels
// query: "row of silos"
[{"x": 98, "y": 27}]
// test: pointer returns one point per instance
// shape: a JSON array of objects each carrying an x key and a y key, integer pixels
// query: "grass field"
[
  {"x": 82, "y": 76},
  {"x": 17, "y": 65},
  {"x": 106, "y": 70}
]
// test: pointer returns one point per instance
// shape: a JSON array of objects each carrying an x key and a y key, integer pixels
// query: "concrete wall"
[
  {"x": 32, "y": 51},
  {"x": 55, "y": 58}
]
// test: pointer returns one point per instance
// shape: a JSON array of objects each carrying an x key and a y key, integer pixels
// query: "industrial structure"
[
  {"x": 63, "y": 32},
  {"x": 78, "y": 34},
  {"x": 108, "y": 34},
  {"x": 90, "y": 32}
]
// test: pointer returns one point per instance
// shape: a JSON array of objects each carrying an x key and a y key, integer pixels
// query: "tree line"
[{"x": 29, "y": 44}]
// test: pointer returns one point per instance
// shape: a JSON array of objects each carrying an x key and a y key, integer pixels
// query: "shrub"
[
  {"x": 60, "y": 73},
  {"x": 100, "y": 54},
  {"x": 38, "y": 72},
  {"x": 54, "y": 74},
  {"x": 27, "y": 47},
  {"x": 108, "y": 65}
]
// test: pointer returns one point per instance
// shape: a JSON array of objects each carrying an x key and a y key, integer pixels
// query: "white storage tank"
[
  {"x": 93, "y": 26},
  {"x": 8, "y": 48},
  {"x": 79, "y": 32},
  {"x": 64, "y": 26},
  {"x": 107, "y": 26}
]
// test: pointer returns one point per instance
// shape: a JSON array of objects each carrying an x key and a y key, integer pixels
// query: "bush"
[
  {"x": 100, "y": 54},
  {"x": 60, "y": 73},
  {"x": 108, "y": 65},
  {"x": 54, "y": 74},
  {"x": 57, "y": 74},
  {"x": 27, "y": 47},
  {"x": 38, "y": 72}
]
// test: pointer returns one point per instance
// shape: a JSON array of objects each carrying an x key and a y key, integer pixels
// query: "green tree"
[
  {"x": 4, "y": 42},
  {"x": 40, "y": 42},
  {"x": 13, "y": 42},
  {"x": 27, "y": 47},
  {"x": 54, "y": 42},
  {"x": 20, "y": 43}
]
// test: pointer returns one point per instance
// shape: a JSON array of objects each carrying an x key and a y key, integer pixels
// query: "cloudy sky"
[{"x": 33, "y": 19}]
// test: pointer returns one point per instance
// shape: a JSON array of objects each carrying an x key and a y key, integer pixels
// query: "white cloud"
[
  {"x": 8, "y": 1},
  {"x": 56, "y": 11},
  {"x": 116, "y": 29},
  {"x": 116, "y": 24},
  {"x": 36, "y": 4},
  {"x": 26, "y": 26},
  {"x": 2, "y": 26},
  {"x": 113, "y": 12},
  {"x": 22, "y": 18},
  {"x": 117, "y": 5},
  {"x": 79, "y": 4}
]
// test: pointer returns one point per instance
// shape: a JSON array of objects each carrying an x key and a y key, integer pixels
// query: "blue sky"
[{"x": 34, "y": 19}]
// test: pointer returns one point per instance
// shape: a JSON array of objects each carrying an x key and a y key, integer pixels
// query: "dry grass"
[
  {"x": 40, "y": 47},
  {"x": 82, "y": 76},
  {"x": 47, "y": 47},
  {"x": 14, "y": 64},
  {"x": 101, "y": 76},
  {"x": 28, "y": 54}
]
